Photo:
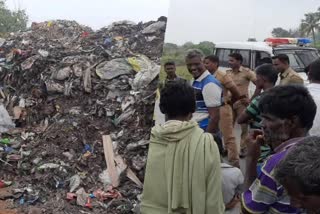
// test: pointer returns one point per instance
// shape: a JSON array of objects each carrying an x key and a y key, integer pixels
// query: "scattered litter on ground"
[{"x": 76, "y": 109}]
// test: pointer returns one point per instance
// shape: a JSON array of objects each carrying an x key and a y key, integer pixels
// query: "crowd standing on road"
[{"x": 186, "y": 171}]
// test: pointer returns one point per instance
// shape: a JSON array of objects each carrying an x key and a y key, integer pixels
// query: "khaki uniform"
[
  {"x": 242, "y": 79},
  {"x": 289, "y": 76},
  {"x": 226, "y": 117}
]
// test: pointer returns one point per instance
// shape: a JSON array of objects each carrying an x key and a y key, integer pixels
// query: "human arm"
[
  {"x": 244, "y": 118},
  {"x": 214, "y": 116},
  {"x": 252, "y": 77},
  {"x": 256, "y": 93},
  {"x": 255, "y": 141},
  {"x": 263, "y": 192},
  {"x": 212, "y": 95},
  {"x": 250, "y": 113},
  {"x": 229, "y": 84}
]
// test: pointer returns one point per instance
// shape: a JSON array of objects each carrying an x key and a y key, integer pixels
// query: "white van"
[{"x": 253, "y": 54}]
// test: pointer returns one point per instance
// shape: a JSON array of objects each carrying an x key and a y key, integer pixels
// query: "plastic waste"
[
  {"x": 5, "y": 120},
  {"x": 109, "y": 193},
  {"x": 5, "y": 141},
  {"x": 28, "y": 63},
  {"x": 148, "y": 72},
  {"x": 43, "y": 53},
  {"x": 63, "y": 73},
  {"x": 153, "y": 28},
  {"x": 82, "y": 197},
  {"x": 111, "y": 69},
  {"x": 74, "y": 182},
  {"x": 4, "y": 184}
]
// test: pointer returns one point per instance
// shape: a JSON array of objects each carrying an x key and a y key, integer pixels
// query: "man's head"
[
  {"x": 313, "y": 71},
  {"x": 287, "y": 112},
  {"x": 235, "y": 60},
  {"x": 170, "y": 69},
  {"x": 281, "y": 62},
  {"x": 177, "y": 101},
  {"x": 194, "y": 63},
  {"x": 211, "y": 63},
  {"x": 266, "y": 76},
  {"x": 299, "y": 173}
]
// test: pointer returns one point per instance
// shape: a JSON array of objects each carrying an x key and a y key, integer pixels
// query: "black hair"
[
  {"x": 169, "y": 63},
  {"x": 193, "y": 53},
  {"x": 301, "y": 166},
  {"x": 266, "y": 60},
  {"x": 237, "y": 56},
  {"x": 287, "y": 101},
  {"x": 268, "y": 71},
  {"x": 313, "y": 70},
  {"x": 177, "y": 99},
  {"x": 213, "y": 58},
  {"x": 282, "y": 58}
]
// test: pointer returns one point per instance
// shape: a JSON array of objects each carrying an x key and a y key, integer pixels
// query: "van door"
[
  {"x": 260, "y": 57},
  {"x": 223, "y": 55}
]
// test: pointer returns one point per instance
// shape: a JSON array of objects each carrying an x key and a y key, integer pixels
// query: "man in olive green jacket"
[{"x": 183, "y": 172}]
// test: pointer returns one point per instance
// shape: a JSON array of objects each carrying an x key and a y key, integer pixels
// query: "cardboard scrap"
[{"x": 109, "y": 156}]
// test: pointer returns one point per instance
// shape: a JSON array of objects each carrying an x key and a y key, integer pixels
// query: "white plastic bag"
[{"x": 5, "y": 120}]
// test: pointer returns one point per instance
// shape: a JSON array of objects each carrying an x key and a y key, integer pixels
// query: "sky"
[
  {"x": 232, "y": 20},
  {"x": 93, "y": 13}
]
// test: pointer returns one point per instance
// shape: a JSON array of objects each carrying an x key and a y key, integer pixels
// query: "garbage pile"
[{"x": 81, "y": 103}]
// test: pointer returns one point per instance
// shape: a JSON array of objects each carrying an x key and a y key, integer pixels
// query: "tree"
[
  {"x": 188, "y": 45},
  {"x": 206, "y": 47},
  {"x": 12, "y": 21},
  {"x": 280, "y": 32},
  {"x": 310, "y": 24},
  {"x": 296, "y": 32}
]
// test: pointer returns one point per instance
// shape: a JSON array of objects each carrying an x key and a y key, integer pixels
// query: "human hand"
[
  {"x": 245, "y": 101},
  {"x": 256, "y": 139}
]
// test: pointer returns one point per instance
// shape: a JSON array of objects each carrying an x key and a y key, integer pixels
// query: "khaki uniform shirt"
[
  {"x": 226, "y": 82},
  {"x": 242, "y": 79},
  {"x": 290, "y": 77}
]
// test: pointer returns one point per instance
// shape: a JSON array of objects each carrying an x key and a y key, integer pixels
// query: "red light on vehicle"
[{"x": 277, "y": 41}]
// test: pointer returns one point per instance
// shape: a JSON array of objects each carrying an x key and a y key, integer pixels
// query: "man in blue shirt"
[{"x": 208, "y": 92}]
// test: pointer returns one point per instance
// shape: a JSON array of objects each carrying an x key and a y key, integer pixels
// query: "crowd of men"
[{"x": 279, "y": 127}]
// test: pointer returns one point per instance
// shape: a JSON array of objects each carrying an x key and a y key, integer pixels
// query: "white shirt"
[
  {"x": 232, "y": 178},
  {"x": 211, "y": 95},
  {"x": 314, "y": 89}
]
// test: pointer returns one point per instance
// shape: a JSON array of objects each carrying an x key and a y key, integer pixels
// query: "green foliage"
[
  {"x": 309, "y": 26},
  {"x": 177, "y": 53},
  {"x": 181, "y": 72},
  {"x": 12, "y": 21},
  {"x": 280, "y": 32}
]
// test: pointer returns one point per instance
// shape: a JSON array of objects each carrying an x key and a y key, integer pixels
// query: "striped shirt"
[
  {"x": 254, "y": 112},
  {"x": 266, "y": 195}
]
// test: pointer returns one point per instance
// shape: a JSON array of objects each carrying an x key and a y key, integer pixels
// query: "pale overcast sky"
[
  {"x": 93, "y": 13},
  {"x": 232, "y": 20}
]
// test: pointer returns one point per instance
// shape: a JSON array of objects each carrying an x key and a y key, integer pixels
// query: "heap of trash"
[{"x": 76, "y": 110}]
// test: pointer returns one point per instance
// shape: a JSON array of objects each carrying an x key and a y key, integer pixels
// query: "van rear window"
[
  {"x": 299, "y": 59},
  {"x": 223, "y": 55}
]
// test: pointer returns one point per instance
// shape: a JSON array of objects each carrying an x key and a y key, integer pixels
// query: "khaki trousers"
[
  {"x": 238, "y": 108},
  {"x": 229, "y": 139}
]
